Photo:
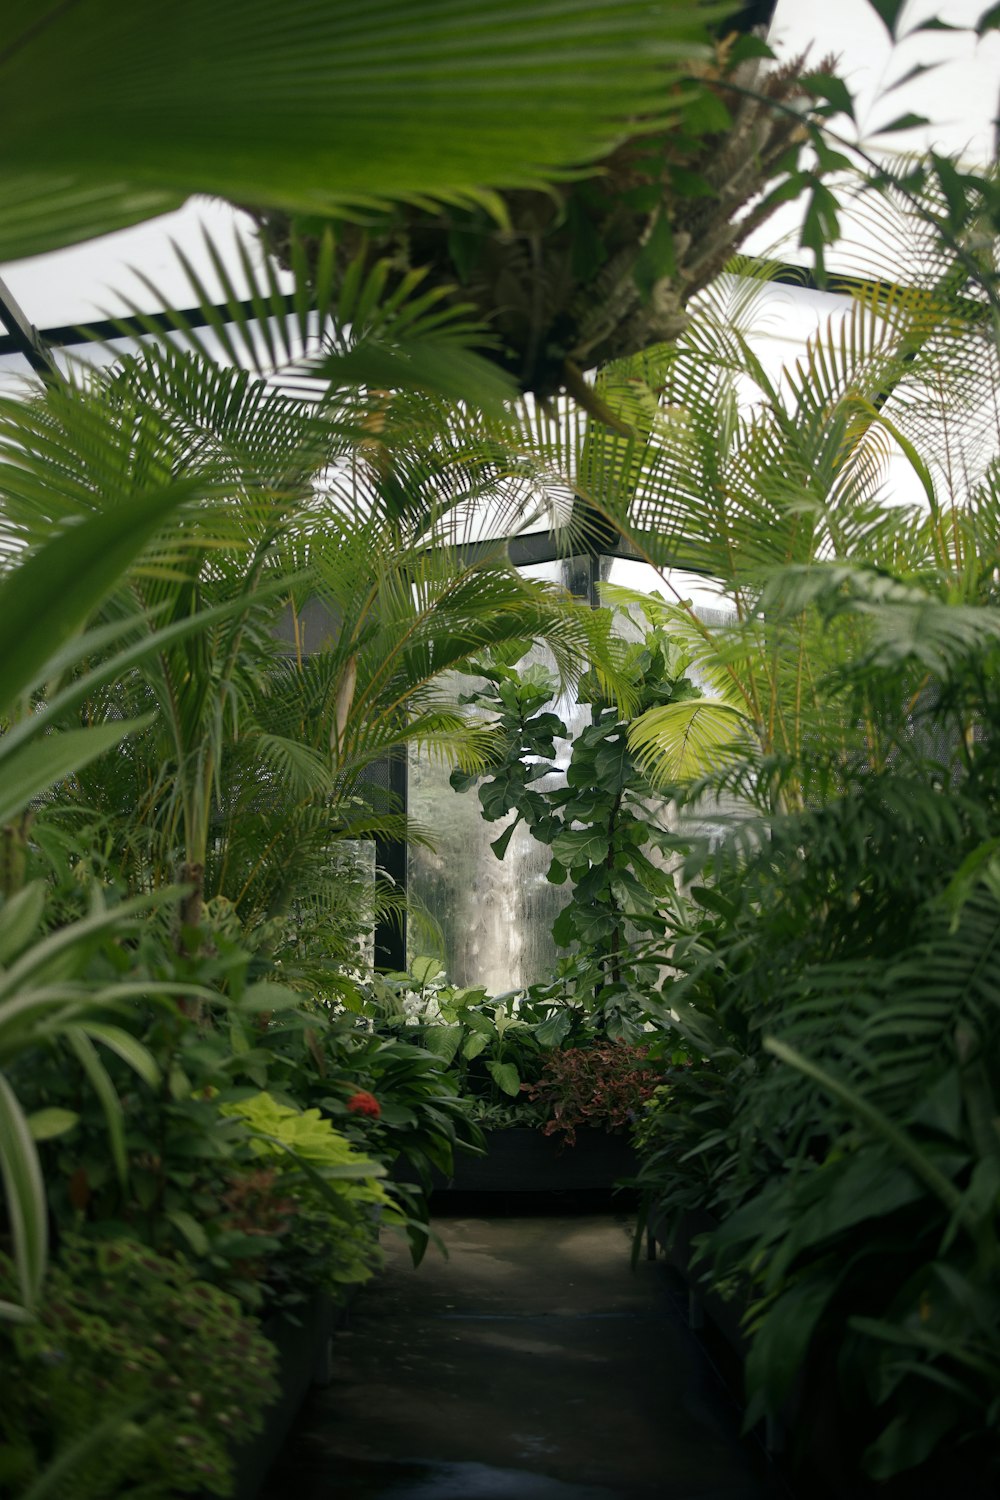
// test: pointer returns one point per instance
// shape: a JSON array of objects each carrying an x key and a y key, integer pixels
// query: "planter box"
[
  {"x": 526, "y": 1161},
  {"x": 678, "y": 1248},
  {"x": 303, "y": 1360}
]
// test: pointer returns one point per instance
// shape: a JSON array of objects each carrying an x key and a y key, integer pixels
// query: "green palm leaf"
[
  {"x": 683, "y": 741},
  {"x": 46, "y": 598},
  {"x": 112, "y": 114}
]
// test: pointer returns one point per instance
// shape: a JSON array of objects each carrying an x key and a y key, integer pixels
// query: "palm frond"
[
  {"x": 315, "y": 107},
  {"x": 683, "y": 741}
]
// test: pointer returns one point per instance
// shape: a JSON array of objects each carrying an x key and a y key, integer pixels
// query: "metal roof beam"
[{"x": 23, "y": 337}]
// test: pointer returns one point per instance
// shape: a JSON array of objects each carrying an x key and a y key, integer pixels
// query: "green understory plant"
[
  {"x": 268, "y": 1231},
  {"x": 530, "y": 1059},
  {"x": 602, "y": 1087},
  {"x": 838, "y": 993},
  {"x": 337, "y": 1197},
  {"x": 401, "y": 1103},
  {"x": 487, "y": 1043},
  {"x": 125, "y": 1333}
]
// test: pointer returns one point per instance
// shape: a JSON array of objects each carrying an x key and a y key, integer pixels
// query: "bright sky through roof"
[{"x": 959, "y": 95}]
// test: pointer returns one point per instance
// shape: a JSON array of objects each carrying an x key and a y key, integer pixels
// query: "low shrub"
[
  {"x": 604, "y": 1087},
  {"x": 132, "y": 1342}
]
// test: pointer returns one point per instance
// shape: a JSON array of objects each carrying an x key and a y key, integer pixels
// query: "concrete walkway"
[{"x": 532, "y": 1364}]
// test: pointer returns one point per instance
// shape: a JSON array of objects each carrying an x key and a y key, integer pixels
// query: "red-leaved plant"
[{"x": 604, "y": 1087}]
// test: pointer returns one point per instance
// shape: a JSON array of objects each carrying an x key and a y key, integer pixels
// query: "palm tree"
[
  {"x": 293, "y": 506},
  {"x": 781, "y": 499}
]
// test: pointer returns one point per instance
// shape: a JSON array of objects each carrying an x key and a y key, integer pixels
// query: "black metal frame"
[
  {"x": 390, "y": 856},
  {"x": 36, "y": 344}
]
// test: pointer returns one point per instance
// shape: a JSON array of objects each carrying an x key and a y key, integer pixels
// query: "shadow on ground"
[{"x": 532, "y": 1364}]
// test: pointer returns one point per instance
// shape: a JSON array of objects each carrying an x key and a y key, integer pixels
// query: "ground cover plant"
[{"x": 131, "y": 1345}]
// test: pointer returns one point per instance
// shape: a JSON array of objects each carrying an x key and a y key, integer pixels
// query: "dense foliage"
[
  {"x": 143, "y": 1373},
  {"x": 254, "y": 581},
  {"x": 604, "y": 821}
]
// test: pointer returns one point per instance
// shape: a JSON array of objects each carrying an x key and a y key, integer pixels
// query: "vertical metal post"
[
  {"x": 390, "y": 856},
  {"x": 26, "y": 336}
]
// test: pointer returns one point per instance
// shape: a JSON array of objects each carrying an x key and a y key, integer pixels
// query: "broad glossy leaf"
[
  {"x": 188, "y": 1226},
  {"x": 781, "y": 1342},
  {"x": 47, "y": 1124},
  {"x": 19, "y": 919},
  {"x": 110, "y": 1103},
  {"x": 265, "y": 996},
  {"x": 554, "y": 1029},
  {"x": 577, "y": 846},
  {"x": 841, "y": 1195},
  {"x": 125, "y": 1046},
  {"x": 500, "y": 845},
  {"x": 505, "y": 1076},
  {"x": 425, "y": 969},
  {"x": 906, "y": 1148},
  {"x": 443, "y": 1041}
]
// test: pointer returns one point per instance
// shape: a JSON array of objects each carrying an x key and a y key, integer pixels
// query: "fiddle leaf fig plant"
[{"x": 605, "y": 824}]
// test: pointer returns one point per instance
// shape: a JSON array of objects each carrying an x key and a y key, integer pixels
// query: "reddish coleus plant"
[
  {"x": 255, "y": 1204},
  {"x": 603, "y": 1087},
  {"x": 364, "y": 1103}
]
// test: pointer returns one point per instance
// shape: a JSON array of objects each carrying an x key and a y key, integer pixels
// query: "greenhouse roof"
[{"x": 947, "y": 76}]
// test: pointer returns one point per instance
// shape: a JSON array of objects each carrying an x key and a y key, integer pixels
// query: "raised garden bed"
[
  {"x": 526, "y": 1161},
  {"x": 303, "y": 1361}
]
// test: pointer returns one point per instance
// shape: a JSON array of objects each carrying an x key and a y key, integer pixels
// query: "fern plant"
[{"x": 834, "y": 973}]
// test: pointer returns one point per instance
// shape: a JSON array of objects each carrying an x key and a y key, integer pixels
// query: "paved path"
[{"x": 532, "y": 1364}]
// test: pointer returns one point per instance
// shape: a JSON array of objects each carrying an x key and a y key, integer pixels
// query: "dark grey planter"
[
  {"x": 678, "y": 1247},
  {"x": 526, "y": 1161},
  {"x": 303, "y": 1360}
]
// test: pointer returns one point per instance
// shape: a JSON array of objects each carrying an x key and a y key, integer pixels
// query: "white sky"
[{"x": 960, "y": 96}]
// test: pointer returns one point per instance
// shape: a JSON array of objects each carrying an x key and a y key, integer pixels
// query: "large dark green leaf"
[
  {"x": 779, "y": 1347},
  {"x": 49, "y": 596},
  {"x": 24, "y": 1193}
]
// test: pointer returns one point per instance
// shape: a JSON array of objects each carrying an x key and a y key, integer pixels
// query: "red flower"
[{"x": 363, "y": 1103}]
